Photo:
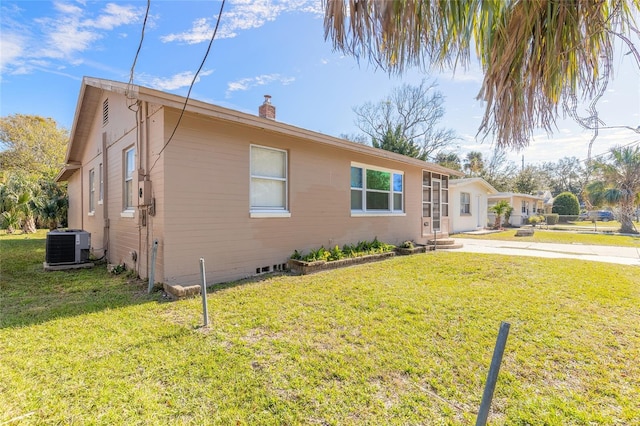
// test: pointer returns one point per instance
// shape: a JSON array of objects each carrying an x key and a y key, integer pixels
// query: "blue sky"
[{"x": 263, "y": 47}]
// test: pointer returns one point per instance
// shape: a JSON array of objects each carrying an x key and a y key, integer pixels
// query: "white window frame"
[
  {"x": 263, "y": 212},
  {"x": 100, "y": 184},
  {"x": 128, "y": 179},
  {"x": 465, "y": 201},
  {"x": 92, "y": 192},
  {"x": 369, "y": 212}
]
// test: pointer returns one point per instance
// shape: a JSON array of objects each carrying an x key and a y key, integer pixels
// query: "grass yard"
[
  {"x": 561, "y": 237},
  {"x": 406, "y": 341}
]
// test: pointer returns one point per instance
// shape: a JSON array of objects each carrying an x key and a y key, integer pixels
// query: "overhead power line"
[
  {"x": 195, "y": 76},
  {"x": 135, "y": 59}
]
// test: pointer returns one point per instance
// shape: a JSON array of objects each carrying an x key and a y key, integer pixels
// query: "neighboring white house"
[
  {"x": 524, "y": 206},
  {"x": 469, "y": 204},
  {"x": 547, "y": 198}
]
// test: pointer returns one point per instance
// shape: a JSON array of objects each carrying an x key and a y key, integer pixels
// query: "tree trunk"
[
  {"x": 29, "y": 226},
  {"x": 626, "y": 217}
]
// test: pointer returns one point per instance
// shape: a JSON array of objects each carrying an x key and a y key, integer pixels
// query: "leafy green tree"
[
  {"x": 448, "y": 159},
  {"x": 618, "y": 184},
  {"x": 535, "y": 54},
  {"x": 566, "y": 204},
  {"x": 394, "y": 141},
  {"x": 32, "y": 144},
  {"x": 408, "y": 117},
  {"x": 528, "y": 180},
  {"x": 565, "y": 175},
  {"x": 32, "y": 152}
]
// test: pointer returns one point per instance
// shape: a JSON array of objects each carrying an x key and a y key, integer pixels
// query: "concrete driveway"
[{"x": 608, "y": 254}]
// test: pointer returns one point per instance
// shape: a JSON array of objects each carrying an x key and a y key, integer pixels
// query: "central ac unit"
[{"x": 67, "y": 247}]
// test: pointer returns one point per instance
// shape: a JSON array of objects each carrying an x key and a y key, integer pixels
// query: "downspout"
[
  {"x": 145, "y": 116},
  {"x": 105, "y": 196},
  {"x": 81, "y": 197},
  {"x": 141, "y": 210}
]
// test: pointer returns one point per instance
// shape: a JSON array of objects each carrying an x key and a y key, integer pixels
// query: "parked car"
[{"x": 601, "y": 215}]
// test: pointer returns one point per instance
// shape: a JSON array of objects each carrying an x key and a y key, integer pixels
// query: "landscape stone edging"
[{"x": 301, "y": 267}]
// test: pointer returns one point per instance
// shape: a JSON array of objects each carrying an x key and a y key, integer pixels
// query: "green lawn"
[
  {"x": 563, "y": 237},
  {"x": 403, "y": 341}
]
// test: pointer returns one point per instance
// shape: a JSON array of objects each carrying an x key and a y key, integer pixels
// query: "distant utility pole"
[{"x": 522, "y": 161}]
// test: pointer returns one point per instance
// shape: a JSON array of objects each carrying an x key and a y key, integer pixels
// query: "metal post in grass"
[
  {"x": 152, "y": 273},
  {"x": 203, "y": 291},
  {"x": 492, "y": 377}
]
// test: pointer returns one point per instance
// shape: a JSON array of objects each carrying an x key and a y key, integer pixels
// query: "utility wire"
[
  {"x": 184, "y": 107},
  {"x": 135, "y": 59}
]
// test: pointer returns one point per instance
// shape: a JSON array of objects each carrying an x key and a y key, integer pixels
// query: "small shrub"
[
  {"x": 336, "y": 254},
  {"x": 551, "y": 219},
  {"x": 407, "y": 244},
  {"x": 363, "y": 248},
  {"x": 117, "y": 269}
]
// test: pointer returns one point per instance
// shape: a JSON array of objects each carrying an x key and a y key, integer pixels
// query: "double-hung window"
[
  {"x": 269, "y": 182},
  {"x": 375, "y": 190},
  {"x": 129, "y": 161},
  {"x": 465, "y": 203},
  {"x": 92, "y": 191}
]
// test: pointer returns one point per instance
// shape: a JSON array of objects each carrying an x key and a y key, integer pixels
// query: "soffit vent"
[{"x": 105, "y": 112}]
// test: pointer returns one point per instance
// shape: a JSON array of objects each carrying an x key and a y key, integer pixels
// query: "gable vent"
[{"x": 105, "y": 112}]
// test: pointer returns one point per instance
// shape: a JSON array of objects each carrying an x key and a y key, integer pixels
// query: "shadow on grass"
[{"x": 29, "y": 295}]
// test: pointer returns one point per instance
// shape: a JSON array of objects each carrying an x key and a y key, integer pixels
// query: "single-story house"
[
  {"x": 239, "y": 190},
  {"x": 524, "y": 206},
  {"x": 547, "y": 200},
  {"x": 469, "y": 204}
]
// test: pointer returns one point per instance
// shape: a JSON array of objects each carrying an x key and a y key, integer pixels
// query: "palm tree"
[
  {"x": 618, "y": 184},
  {"x": 501, "y": 208},
  {"x": 473, "y": 163},
  {"x": 534, "y": 54}
]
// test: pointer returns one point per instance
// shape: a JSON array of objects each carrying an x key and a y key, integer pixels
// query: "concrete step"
[
  {"x": 441, "y": 242},
  {"x": 447, "y": 247}
]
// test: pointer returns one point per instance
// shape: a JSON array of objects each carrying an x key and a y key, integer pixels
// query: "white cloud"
[
  {"x": 70, "y": 30},
  {"x": 200, "y": 31},
  {"x": 261, "y": 80},
  {"x": 114, "y": 15},
  {"x": 174, "y": 82},
  {"x": 11, "y": 49},
  {"x": 242, "y": 15}
]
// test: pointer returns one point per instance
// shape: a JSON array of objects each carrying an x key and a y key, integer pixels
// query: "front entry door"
[{"x": 435, "y": 204}]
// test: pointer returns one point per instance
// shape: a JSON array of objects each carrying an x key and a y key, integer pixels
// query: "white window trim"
[
  {"x": 358, "y": 213},
  {"x": 100, "y": 184},
  {"x": 256, "y": 212},
  {"x": 462, "y": 213},
  {"x": 124, "y": 182},
  {"x": 128, "y": 213},
  {"x": 391, "y": 192},
  {"x": 266, "y": 214},
  {"x": 92, "y": 191}
]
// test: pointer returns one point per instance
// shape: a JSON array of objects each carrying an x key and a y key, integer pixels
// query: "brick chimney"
[{"x": 266, "y": 110}]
